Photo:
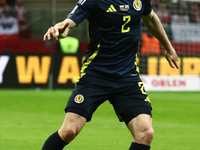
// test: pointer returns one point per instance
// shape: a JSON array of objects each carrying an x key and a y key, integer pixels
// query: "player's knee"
[
  {"x": 145, "y": 136},
  {"x": 149, "y": 134},
  {"x": 68, "y": 134}
]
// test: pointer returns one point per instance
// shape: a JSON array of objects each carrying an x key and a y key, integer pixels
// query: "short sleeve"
[
  {"x": 147, "y": 9},
  {"x": 81, "y": 11}
]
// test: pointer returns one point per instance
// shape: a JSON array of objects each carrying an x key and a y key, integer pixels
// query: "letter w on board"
[
  {"x": 3, "y": 63},
  {"x": 33, "y": 68}
]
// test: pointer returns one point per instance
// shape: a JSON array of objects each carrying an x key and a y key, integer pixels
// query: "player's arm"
[
  {"x": 60, "y": 30},
  {"x": 153, "y": 23}
]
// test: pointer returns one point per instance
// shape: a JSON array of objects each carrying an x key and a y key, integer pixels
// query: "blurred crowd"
[
  {"x": 15, "y": 9},
  {"x": 177, "y": 11}
]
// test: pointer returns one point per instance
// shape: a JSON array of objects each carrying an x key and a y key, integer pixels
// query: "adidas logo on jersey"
[{"x": 111, "y": 9}]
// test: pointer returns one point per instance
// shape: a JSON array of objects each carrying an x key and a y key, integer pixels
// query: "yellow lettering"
[
  {"x": 191, "y": 66},
  {"x": 152, "y": 66},
  {"x": 69, "y": 70},
  {"x": 165, "y": 68},
  {"x": 33, "y": 69}
]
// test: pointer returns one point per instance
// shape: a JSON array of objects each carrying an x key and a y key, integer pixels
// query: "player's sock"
[
  {"x": 54, "y": 142},
  {"x": 136, "y": 146}
]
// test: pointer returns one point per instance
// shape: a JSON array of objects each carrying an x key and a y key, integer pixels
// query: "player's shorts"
[{"x": 128, "y": 97}]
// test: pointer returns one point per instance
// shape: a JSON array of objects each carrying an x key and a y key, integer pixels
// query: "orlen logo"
[{"x": 168, "y": 83}]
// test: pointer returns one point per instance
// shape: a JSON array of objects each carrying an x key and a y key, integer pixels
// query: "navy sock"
[
  {"x": 54, "y": 142},
  {"x": 136, "y": 146}
]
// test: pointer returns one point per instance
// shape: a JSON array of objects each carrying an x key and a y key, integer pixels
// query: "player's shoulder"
[
  {"x": 84, "y": 2},
  {"x": 146, "y": 1}
]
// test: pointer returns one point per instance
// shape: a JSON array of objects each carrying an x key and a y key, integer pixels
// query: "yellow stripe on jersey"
[
  {"x": 137, "y": 68},
  {"x": 88, "y": 30},
  {"x": 89, "y": 60}
]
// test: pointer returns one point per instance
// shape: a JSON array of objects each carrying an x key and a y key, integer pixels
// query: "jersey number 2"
[
  {"x": 127, "y": 19},
  {"x": 140, "y": 84}
]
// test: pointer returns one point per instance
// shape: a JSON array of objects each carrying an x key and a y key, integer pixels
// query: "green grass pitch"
[{"x": 28, "y": 117}]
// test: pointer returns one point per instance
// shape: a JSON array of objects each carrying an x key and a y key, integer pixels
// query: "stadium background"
[
  {"x": 22, "y": 45},
  {"x": 29, "y": 111}
]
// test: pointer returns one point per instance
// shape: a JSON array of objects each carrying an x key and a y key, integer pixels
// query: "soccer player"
[{"x": 110, "y": 70}]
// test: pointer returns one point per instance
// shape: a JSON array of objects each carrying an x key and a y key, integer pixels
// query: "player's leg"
[
  {"x": 139, "y": 122},
  {"x": 133, "y": 106},
  {"x": 142, "y": 132},
  {"x": 70, "y": 128},
  {"x": 84, "y": 100}
]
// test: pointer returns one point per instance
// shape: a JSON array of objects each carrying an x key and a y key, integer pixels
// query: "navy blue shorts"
[{"x": 128, "y": 97}]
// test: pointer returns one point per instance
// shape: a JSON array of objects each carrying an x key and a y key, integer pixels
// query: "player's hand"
[
  {"x": 172, "y": 58},
  {"x": 56, "y": 31}
]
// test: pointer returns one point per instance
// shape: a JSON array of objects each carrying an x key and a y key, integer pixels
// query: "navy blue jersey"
[{"x": 114, "y": 30}]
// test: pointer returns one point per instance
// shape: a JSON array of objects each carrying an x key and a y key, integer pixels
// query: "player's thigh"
[{"x": 87, "y": 96}]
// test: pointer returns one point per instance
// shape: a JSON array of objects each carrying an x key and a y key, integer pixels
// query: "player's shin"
[{"x": 54, "y": 142}]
